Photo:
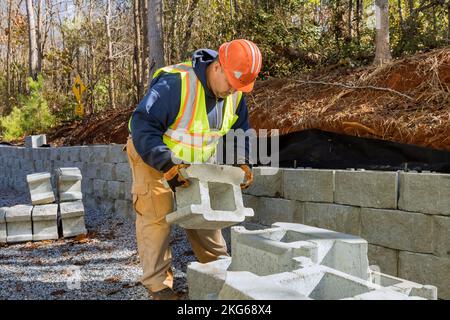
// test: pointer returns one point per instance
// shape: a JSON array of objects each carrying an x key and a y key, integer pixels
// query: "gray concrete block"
[
  {"x": 398, "y": 229},
  {"x": 128, "y": 195},
  {"x": 92, "y": 170},
  {"x": 116, "y": 190},
  {"x": 3, "y": 234},
  {"x": 98, "y": 153},
  {"x": 267, "y": 181},
  {"x": 18, "y": 223},
  {"x": 441, "y": 236},
  {"x": 425, "y": 192},
  {"x": 107, "y": 172},
  {"x": 100, "y": 188},
  {"x": 404, "y": 286},
  {"x": 312, "y": 185},
  {"x": 69, "y": 184},
  {"x": 72, "y": 218},
  {"x": 426, "y": 268},
  {"x": 35, "y": 141},
  {"x": 212, "y": 201},
  {"x": 386, "y": 259},
  {"x": 335, "y": 217},
  {"x": 373, "y": 189},
  {"x": 124, "y": 208},
  {"x": 45, "y": 226},
  {"x": 54, "y": 154},
  {"x": 40, "y": 187},
  {"x": 123, "y": 172},
  {"x": 87, "y": 186},
  {"x": 271, "y": 210}
]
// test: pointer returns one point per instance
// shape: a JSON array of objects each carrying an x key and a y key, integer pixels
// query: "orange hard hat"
[{"x": 241, "y": 61}]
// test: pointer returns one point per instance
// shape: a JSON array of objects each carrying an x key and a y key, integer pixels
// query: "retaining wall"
[{"x": 404, "y": 216}]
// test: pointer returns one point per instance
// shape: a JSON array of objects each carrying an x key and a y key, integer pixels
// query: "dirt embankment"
[{"x": 406, "y": 101}]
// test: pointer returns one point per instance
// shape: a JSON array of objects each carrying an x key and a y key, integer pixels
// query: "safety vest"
[{"x": 189, "y": 137}]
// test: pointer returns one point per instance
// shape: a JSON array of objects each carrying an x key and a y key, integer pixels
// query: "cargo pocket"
[{"x": 152, "y": 202}]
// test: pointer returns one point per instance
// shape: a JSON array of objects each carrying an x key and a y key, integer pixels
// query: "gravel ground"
[{"x": 105, "y": 265}]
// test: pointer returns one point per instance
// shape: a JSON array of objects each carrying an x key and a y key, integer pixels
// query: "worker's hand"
[
  {"x": 248, "y": 176},
  {"x": 174, "y": 177}
]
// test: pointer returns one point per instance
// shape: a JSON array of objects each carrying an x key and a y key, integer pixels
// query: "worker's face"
[{"x": 219, "y": 84}]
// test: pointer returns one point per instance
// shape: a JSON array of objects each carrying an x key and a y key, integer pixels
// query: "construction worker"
[{"x": 202, "y": 99}]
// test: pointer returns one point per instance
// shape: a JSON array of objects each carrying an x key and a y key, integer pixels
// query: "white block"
[
  {"x": 72, "y": 217},
  {"x": 18, "y": 223},
  {"x": 40, "y": 186},
  {"x": 69, "y": 184},
  {"x": 45, "y": 225}
]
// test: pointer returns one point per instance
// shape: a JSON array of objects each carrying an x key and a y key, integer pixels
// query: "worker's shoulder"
[{"x": 166, "y": 81}]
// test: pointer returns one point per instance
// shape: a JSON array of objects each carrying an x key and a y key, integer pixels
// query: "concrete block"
[
  {"x": 3, "y": 234},
  {"x": 273, "y": 250},
  {"x": 116, "y": 190},
  {"x": 397, "y": 229},
  {"x": 72, "y": 218},
  {"x": 123, "y": 172},
  {"x": 54, "y": 154},
  {"x": 425, "y": 192},
  {"x": 45, "y": 225},
  {"x": 100, "y": 188},
  {"x": 64, "y": 153},
  {"x": 312, "y": 185},
  {"x": 116, "y": 154},
  {"x": 128, "y": 195},
  {"x": 87, "y": 186},
  {"x": 373, "y": 189},
  {"x": 335, "y": 217},
  {"x": 107, "y": 172},
  {"x": 207, "y": 279},
  {"x": 93, "y": 170},
  {"x": 267, "y": 181},
  {"x": 271, "y": 210},
  {"x": 40, "y": 187},
  {"x": 98, "y": 153},
  {"x": 69, "y": 184},
  {"x": 403, "y": 286},
  {"x": 74, "y": 154},
  {"x": 18, "y": 223},
  {"x": 35, "y": 141},
  {"x": 441, "y": 236},
  {"x": 386, "y": 259},
  {"x": 124, "y": 208},
  {"x": 426, "y": 268},
  {"x": 212, "y": 201}
]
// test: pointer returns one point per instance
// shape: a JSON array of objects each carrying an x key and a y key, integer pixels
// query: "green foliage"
[{"x": 32, "y": 117}]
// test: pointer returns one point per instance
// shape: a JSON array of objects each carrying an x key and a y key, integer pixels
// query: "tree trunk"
[
  {"x": 358, "y": 21},
  {"x": 382, "y": 51},
  {"x": 39, "y": 34},
  {"x": 137, "y": 51},
  {"x": 187, "y": 39},
  {"x": 33, "y": 50},
  {"x": 156, "y": 46},
  {"x": 448, "y": 20},
  {"x": 350, "y": 18},
  {"x": 8, "y": 61},
  {"x": 400, "y": 14},
  {"x": 110, "y": 55},
  {"x": 145, "y": 49}
]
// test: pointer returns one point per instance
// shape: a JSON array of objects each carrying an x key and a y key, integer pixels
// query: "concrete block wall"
[
  {"x": 404, "y": 216},
  {"x": 106, "y": 182}
]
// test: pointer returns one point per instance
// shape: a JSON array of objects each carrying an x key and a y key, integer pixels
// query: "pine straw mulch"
[{"x": 411, "y": 103}]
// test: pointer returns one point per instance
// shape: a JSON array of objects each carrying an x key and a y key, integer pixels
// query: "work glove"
[
  {"x": 174, "y": 178},
  {"x": 248, "y": 176}
]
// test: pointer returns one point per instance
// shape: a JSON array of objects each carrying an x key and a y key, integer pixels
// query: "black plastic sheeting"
[{"x": 326, "y": 150}]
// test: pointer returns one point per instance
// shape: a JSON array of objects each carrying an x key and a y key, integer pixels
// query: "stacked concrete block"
[
  {"x": 45, "y": 225},
  {"x": 397, "y": 229},
  {"x": 40, "y": 187},
  {"x": 35, "y": 141},
  {"x": 270, "y": 210},
  {"x": 212, "y": 201},
  {"x": 3, "y": 234},
  {"x": 72, "y": 218},
  {"x": 19, "y": 224},
  {"x": 290, "y": 261},
  {"x": 69, "y": 184},
  {"x": 425, "y": 192},
  {"x": 385, "y": 259},
  {"x": 372, "y": 189},
  {"x": 267, "y": 182},
  {"x": 308, "y": 185}
]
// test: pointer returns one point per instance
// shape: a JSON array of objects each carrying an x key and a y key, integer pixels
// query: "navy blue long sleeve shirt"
[{"x": 159, "y": 108}]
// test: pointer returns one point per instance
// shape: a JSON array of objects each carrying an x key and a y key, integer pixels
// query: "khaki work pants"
[{"x": 152, "y": 202}]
